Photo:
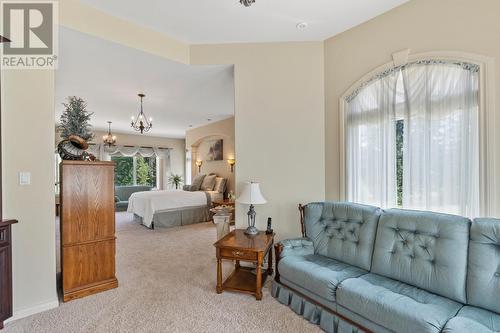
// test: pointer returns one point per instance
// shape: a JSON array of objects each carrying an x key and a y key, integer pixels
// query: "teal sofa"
[
  {"x": 123, "y": 193},
  {"x": 358, "y": 268}
]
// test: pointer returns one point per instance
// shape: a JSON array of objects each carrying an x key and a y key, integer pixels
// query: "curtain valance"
[
  {"x": 102, "y": 151},
  {"x": 137, "y": 151},
  {"x": 464, "y": 65}
]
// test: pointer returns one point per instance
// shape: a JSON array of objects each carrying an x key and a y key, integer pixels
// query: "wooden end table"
[{"x": 240, "y": 247}]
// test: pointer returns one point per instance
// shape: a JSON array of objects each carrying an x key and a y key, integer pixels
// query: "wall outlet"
[{"x": 24, "y": 178}]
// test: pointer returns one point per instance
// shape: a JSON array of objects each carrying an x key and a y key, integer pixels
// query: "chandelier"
[
  {"x": 247, "y": 3},
  {"x": 142, "y": 124},
  {"x": 109, "y": 139}
]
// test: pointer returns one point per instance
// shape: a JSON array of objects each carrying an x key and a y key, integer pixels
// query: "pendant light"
[
  {"x": 142, "y": 124},
  {"x": 109, "y": 138}
]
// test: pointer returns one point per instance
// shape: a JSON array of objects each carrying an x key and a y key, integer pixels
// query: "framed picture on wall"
[{"x": 214, "y": 150}]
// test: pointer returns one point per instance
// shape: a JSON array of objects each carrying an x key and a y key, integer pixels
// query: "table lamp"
[{"x": 251, "y": 195}]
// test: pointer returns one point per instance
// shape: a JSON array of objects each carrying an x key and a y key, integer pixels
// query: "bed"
[{"x": 171, "y": 208}]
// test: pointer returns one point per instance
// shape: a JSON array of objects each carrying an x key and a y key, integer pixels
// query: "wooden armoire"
[{"x": 87, "y": 228}]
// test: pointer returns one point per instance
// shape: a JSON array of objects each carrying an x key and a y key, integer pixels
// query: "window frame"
[{"x": 487, "y": 154}]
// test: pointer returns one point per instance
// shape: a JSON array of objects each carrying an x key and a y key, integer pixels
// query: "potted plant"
[{"x": 175, "y": 180}]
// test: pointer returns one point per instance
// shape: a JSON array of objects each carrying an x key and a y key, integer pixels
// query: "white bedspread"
[{"x": 146, "y": 204}]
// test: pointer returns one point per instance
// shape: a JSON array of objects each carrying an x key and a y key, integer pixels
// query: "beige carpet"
[{"x": 167, "y": 284}]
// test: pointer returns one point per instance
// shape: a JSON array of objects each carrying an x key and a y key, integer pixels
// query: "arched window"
[{"x": 412, "y": 138}]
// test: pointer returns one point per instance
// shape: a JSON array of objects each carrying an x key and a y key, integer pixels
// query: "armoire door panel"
[
  {"x": 88, "y": 203},
  {"x": 85, "y": 264}
]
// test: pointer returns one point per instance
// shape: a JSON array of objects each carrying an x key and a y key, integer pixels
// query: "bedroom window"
[
  {"x": 412, "y": 138},
  {"x": 136, "y": 170}
]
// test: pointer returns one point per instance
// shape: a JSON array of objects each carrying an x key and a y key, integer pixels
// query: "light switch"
[{"x": 24, "y": 178}]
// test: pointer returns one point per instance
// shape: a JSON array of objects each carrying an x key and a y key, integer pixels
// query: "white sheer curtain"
[
  {"x": 165, "y": 166},
  {"x": 441, "y": 154},
  {"x": 438, "y": 104},
  {"x": 370, "y": 137}
]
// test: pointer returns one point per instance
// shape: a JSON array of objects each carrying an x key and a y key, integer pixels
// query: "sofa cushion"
[
  {"x": 395, "y": 305},
  {"x": 424, "y": 249},
  {"x": 315, "y": 297},
  {"x": 317, "y": 274},
  {"x": 472, "y": 319},
  {"x": 342, "y": 231},
  {"x": 483, "y": 279}
]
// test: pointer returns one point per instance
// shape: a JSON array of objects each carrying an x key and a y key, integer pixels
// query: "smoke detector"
[{"x": 302, "y": 25}]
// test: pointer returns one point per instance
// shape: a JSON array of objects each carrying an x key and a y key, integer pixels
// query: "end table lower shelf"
[
  {"x": 237, "y": 246},
  {"x": 243, "y": 279}
]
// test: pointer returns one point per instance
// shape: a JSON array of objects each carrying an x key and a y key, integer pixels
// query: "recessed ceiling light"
[{"x": 302, "y": 25}]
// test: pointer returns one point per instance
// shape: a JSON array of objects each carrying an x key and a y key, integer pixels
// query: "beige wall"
[
  {"x": 279, "y": 124},
  {"x": 420, "y": 25},
  {"x": 197, "y": 139},
  {"x": 28, "y": 146}
]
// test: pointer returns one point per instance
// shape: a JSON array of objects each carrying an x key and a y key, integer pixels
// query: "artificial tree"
[{"x": 75, "y": 119}]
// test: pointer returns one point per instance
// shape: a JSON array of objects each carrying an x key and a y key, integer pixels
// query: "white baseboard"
[{"x": 34, "y": 310}]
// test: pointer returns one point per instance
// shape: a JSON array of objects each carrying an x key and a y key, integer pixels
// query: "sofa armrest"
[
  {"x": 297, "y": 247},
  {"x": 289, "y": 247}
]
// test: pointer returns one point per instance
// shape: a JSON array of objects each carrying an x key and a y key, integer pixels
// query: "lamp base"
[{"x": 251, "y": 231}]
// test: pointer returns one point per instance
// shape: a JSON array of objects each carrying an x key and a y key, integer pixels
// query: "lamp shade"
[{"x": 251, "y": 194}]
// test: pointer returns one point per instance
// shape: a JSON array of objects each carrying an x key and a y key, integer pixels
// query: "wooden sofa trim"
[{"x": 302, "y": 222}]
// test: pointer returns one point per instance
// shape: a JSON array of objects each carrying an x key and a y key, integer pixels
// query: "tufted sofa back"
[
  {"x": 124, "y": 192},
  {"x": 343, "y": 231},
  {"x": 427, "y": 250},
  {"x": 483, "y": 279}
]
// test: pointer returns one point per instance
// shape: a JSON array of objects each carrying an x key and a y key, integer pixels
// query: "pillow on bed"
[
  {"x": 208, "y": 183},
  {"x": 220, "y": 184},
  {"x": 197, "y": 181}
]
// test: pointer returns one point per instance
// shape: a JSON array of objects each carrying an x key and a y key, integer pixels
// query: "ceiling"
[
  {"x": 227, "y": 21},
  {"x": 109, "y": 76}
]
